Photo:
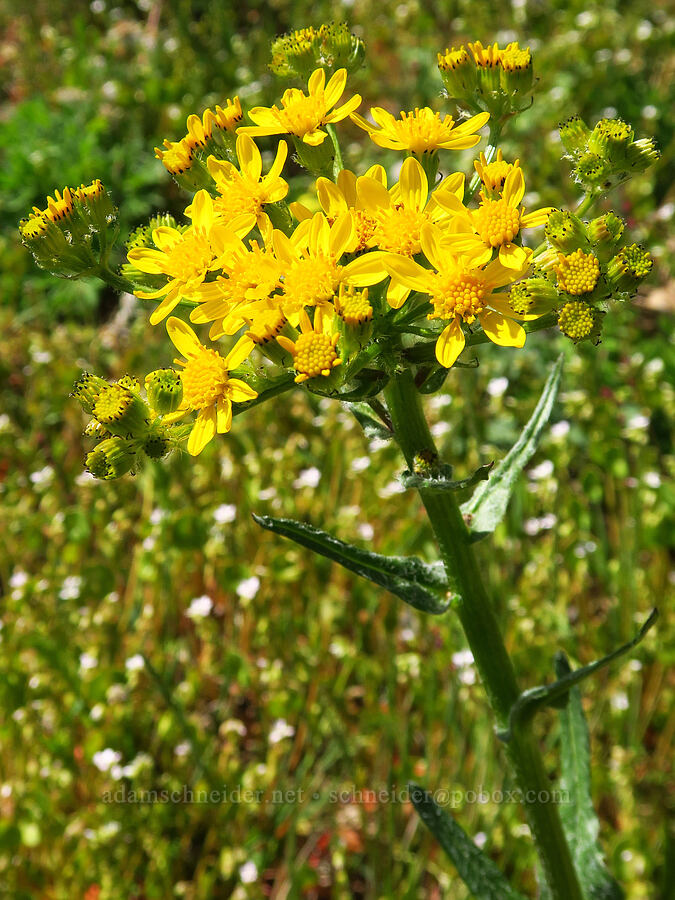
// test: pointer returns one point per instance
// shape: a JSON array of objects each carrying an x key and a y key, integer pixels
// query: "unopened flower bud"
[
  {"x": 640, "y": 155},
  {"x": 592, "y": 170},
  {"x": 533, "y": 296},
  {"x": 574, "y": 134},
  {"x": 330, "y": 47},
  {"x": 516, "y": 70},
  {"x": 156, "y": 444},
  {"x": 354, "y": 318},
  {"x": 628, "y": 268},
  {"x": 110, "y": 459},
  {"x": 86, "y": 390},
  {"x": 458, "y": 71},
  {"x": 565, "y": 231},
  {"x": 579, "y": 321},
  {"x": 121, "y": 411},
  {"x": 165, "y": 390},
  {"x": 609, "y": 138},
  {"x": 606, "y": 229}
]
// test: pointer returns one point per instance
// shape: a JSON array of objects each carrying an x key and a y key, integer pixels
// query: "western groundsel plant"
[{"x": 369, "y": 290}]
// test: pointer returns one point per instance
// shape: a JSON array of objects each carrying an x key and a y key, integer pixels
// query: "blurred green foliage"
[{"x": 96, "y": 650}]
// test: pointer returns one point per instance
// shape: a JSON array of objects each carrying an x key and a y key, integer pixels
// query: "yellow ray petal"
[
  {"x": 408, "y": 272},
  {"x": 414, "y": 185},
  {"x": 240, "y": 352},
  {"x": 153, "y": 262},
  {"x": 431, "y": 239},
  {"x": 223, "y": 415},
  {"x": 341, "y": 112},
  {"x": 202, "y": 211},
  {"x": 316, "y": 83},
  {"x": 239, "y": 391},
  {"x": 342, "y": 235},
  {"x": 397, "y": 294},
  {"x": 331, "y": 197},
  {"x": 250, "y": 160},
  {"x": 183, "y": 337},
  {"x": 164, "y": 238},
  {"x": 366, "y": 270},
  {"x": 502, "y": 330},
  {"x": 168, "y": 304},
  {"x": 512, "y": 256},
  {"x": 501, "y": 304},
  {"x": 514, "y": 187},
  {"x": 335, "y": 88},
  {"x": 450, "y": 344},
  {"x": 203, "y": 431},
  {"x": 536, "y": 217},
  {"x": 279, "y": 160}
]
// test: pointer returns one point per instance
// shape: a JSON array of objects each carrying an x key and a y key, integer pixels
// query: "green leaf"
[
  {"x": 476, "y": 870},
  {"x": 579, "y": 820},
  {"x": 421, "y": 585},
  {"x": 555, "y": 694},
  {"x": 441, "y": 482},
  {"x": 373, "y": 428},
  {"x": 485, "y": 510}
]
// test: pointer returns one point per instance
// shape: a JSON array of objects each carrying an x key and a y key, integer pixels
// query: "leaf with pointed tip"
[
  {"x": 441, "y": 482},
  {"x": 579, "y": 820},
  {"x": 421, "y": 585},
  {"x": 554, "y": 694},
  {"x": 476, "y": 870},
  {"x": 485, "y": 510}
]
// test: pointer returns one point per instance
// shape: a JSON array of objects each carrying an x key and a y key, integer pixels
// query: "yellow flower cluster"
[{"x": 310, "y": 294}]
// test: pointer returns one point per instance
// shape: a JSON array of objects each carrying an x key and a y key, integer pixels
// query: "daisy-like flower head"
[
  {"x": 400, "y": 213},
  {"x": 314, "y": 350},
  {"x": 246, "y": 189},
  {"x": 249, "y": 276},
  {"x": 200, "y": 131},
  {"x": 303, "y": 115},
  {"x": 176, "y": 157},
  {"x": 493, "y": 174},
  {"x": 337, "y": 198},
  {"x": 207, "y": 386},
  {"x": 495, "y": 223},
  {"x": 310, "y": 259},
  {"x": 460, "y": 291},
  {"x": 186, "y": 258},
  {"x": 421, "y": 131}
]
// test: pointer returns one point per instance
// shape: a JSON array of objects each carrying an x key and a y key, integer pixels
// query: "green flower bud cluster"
[
  {"x": 72, "y": 236},
  {"x": 491, "y": 79},
  {"x": 330, "y": 47},
  {"x": 129, "y": 429},
  {"x": 608, "y": 155},
  {"x": 583, "y": 268}
]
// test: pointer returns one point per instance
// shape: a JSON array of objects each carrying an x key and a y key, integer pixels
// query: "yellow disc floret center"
[
  {"x": 459, "y": 293},
  {"x": 422, "y": 130},
  {"x": 311, "y": 280},
  {"x": 314, "y": 354},
  {"x": 204, "y": 378},
  {"x": 496, "y": 222},
  {"x": 398, "y": 230},
  {"x": 190, "y": 258},
  {"x": 301, "y": 115},
  {"x": 577, "y": 272}
]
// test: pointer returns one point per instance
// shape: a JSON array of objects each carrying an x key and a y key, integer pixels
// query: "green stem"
[
  {"x": 585, "y": 204},
  {"x": 474, "y": 608},
  {"x": 490, "y": 153},
  {"x": 338, "y": 165},
  {"x": 114, "y": 280}
]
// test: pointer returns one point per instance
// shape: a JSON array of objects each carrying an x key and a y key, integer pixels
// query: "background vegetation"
[{"x": 116, "y": 674}]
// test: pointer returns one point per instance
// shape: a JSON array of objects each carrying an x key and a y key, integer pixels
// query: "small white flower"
[
  {"x": 234, "y": 726},
  {"x": 467, "y": 676},
  {"x": 497, "y": 386},
  {"x": 462, "y": 659},
  {"x": 104, "y": 760},
  {"x": 42, "y": 476},
  {"x": 560, "y": 429},
  {"x": 543, "y": 470},
  {"x": 248, "y": 588},
  {"x": 480, "y": 839},
  {"x": 638, "y": 422},
  {"x": 307, "y": 478},
  {"x": 652, "y": 479},
  {"x": 366, "y": 531},
  {"x": 182, "y": 749},
  {"x": 619, "y": 701},
  {"x": 438, "y": 429},
  {"x": 18, "y": 579},
  {"x": 225, "y": 513},
  {"x": 157, "y": 515},
  {"x": 135, "y": 663},
  {"x": 199, "y": 607},
  {"x": 360, "y": 463},
  {"x": 393, "y": 487},
  {"x": 96, "y": 712},
  {"x": 149, "y": 543},
  {"x": 88, "y": 661},
  {"x": 280, "y": 730},
  {"x": 248, "y": 873},
  {"x": 70, "y": 589},
  {"x": 267, "y": 493}
]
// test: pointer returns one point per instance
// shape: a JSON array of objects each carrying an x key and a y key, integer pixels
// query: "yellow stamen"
[
  {"x": 204, "y": 378},
  {"x": 577, "y": 273},
  {"x": 459, "y": 293}
]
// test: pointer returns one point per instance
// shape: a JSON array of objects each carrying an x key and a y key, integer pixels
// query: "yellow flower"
[
  {"x": 577, "y": 273},
  {"x": 342, "y": 197},
  {"x": 460, "y": 291},
  {"x": 310, "y": 260},
  {"x": 493, "y": 175},
  {"x": 421, "y": 131},
  {"x": 495, "y": 223},
  {"x": 185, "y": 258},
  {"x": 200, "y": 131},
  {"x": 207, "y": 386},
  {"x": 176, "y": 157},
  {"x": 246, "y": 190},
  {"x": 314, "y": 350},
  {"x": 249, "y": 276},
  {"x": 400, "y": 213},
  {"x": 303, "y": 115}
]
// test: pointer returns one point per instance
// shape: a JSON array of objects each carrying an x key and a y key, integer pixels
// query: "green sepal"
[
  {"x": 419, "y": 584},
  {"x": 441, "y": 481},
  {"x": 578, "y": 817},
  {"x": 476, "y": 870},
  {"x": 485, "y": 510},
  {"x": 373, "y": 428},
  {"x": 556, "y": 694},
  {"x": 367, "y": 383}
]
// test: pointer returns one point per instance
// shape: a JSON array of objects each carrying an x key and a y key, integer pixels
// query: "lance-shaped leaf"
[
  {"x": 553, "y": 694},
  {"x": 421, "y": 585},
  {"x": 485, "y": 510},
  {"x": 476, "y": 870},
  {"x": 441, "y": 481},
  {"x": 579, "y": 820}
]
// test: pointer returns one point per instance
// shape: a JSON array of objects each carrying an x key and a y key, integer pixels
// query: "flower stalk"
[{"x": 474, "y": 609}]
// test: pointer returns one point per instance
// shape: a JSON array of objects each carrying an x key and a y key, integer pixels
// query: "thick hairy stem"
[{"x": 478, "y": 619}]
